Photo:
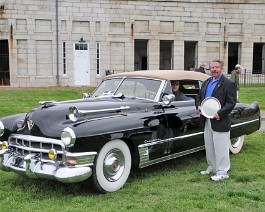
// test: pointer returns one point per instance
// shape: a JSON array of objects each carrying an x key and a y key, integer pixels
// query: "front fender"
[
  {"x": 93, "y": 134},
  {"x": 108, "y": 125}
]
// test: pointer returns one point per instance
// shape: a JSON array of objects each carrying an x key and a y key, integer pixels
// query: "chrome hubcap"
[
  {"x": 113, "y": 165},
  {"x": 235, "y": 142}
]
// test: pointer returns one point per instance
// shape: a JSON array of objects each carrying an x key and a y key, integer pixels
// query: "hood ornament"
[{"x": 30, "y": 124}]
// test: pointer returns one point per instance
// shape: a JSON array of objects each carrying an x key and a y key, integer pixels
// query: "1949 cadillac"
[{"x": 131, "y": 120}]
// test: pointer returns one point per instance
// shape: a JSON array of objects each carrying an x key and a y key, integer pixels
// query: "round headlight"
[
  {"x": 68, "y": 137},
  {"x": 52, "y": 154},
  {"x": 2, "y": 128},
  {"x": 73, "y": 113}
]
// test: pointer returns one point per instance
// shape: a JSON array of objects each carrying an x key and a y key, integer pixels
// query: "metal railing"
[{"x": 251, "y": 78}]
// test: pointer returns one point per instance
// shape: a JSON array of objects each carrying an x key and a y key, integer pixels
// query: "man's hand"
[
  {"x": 199, "y": 109},
  {"x": 216, "y": 116}
]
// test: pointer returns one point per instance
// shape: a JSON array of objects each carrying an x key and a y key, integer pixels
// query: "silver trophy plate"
[{"x": 210, "y": 106}]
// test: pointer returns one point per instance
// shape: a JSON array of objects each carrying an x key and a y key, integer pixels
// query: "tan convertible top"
[{"x": 163, "y": 74}]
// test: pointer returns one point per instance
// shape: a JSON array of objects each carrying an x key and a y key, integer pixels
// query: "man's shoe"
[
  {"x": 219, "y": 177},
  {"x": 206, "y": 172}
]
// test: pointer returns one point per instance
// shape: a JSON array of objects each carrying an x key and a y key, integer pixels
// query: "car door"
[{"x": 184, "y": 133}]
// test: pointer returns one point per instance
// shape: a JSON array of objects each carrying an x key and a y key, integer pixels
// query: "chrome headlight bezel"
[
  {"x": 167, "y": 99},
  {"x": 2, "y": 129},
  {"x": 68, "y": 137}
]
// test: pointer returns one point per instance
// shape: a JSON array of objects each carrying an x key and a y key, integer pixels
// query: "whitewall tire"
[
  {"x": 236, "y": 144},
  {"x": 112, "y": 166}
]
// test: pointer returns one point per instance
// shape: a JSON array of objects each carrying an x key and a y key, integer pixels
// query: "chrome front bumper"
[{"x": 35, "y": 167}]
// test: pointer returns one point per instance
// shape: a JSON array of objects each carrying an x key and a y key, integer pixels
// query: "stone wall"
[{"x": 30, "y": 28}]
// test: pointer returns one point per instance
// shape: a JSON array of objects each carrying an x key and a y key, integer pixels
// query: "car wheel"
[
  {"x": 236, "y": 144},
  {"x": 112, "y": 166}
]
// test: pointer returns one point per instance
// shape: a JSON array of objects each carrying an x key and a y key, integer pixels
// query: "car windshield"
[
  {"x": 129, "y": 87},
  {"x": 107, "y": 87}
]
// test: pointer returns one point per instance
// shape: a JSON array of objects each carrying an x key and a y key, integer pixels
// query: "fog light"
[
  {"x": 52, "y": 154},
  {"x": 72, "y": 160},
  {"x": 4, "y": 145}
]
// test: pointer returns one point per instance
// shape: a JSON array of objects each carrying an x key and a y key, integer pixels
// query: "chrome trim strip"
[
  {"x": 168, "y": 140},
  {"x": 80, "y": 154},
  {"x": 243, "y": 123},
  {"x": 123, "y": 78},
  {"x": 101, "y": 118},
  {"x": 160, "y": 89},
  {"x": 145, "y": 161},
  {"x": 83, "y": 158},
  {"x": 84, "y": 112}
]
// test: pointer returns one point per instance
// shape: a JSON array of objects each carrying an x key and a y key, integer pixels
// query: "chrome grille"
[{"x": 24, "y": 145}]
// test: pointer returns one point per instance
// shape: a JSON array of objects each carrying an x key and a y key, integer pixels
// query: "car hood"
[{"x": 51, "y": 118}]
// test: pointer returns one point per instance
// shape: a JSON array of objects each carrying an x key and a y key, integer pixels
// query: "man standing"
[
  {"x": 217, "y": 129},
  {"x": 235, "y": 77}
]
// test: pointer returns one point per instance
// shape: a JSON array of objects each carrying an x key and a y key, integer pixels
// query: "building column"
[{"x": 153, "y": 55}]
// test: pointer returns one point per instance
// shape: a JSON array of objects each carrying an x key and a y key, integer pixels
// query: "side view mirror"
[{"x": 167, "y": 99}]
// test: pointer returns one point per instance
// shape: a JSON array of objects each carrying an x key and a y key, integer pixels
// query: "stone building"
[{"x": 75, "y": 42}]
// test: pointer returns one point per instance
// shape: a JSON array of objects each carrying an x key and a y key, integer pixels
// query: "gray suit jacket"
[{"x": 225, "y": 92}]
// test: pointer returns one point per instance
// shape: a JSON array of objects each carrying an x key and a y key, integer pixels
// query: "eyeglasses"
[{"x": 174, "y": 84}]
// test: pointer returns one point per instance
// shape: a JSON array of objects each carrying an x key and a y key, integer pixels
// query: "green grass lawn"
[
  {"x": 174, "y": 185},
  {"x": 250, "y": 94},
  {"x": 22, "y": 100}
]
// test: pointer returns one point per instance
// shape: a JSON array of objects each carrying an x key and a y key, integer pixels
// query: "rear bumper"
[{"x": 34, "y": 167}]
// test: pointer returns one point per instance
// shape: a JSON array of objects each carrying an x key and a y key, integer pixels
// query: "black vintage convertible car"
[{"x": 131, "y": 120}]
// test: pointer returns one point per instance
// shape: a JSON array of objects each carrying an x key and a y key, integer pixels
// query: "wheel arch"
[{"x": 134, "y": 151}]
